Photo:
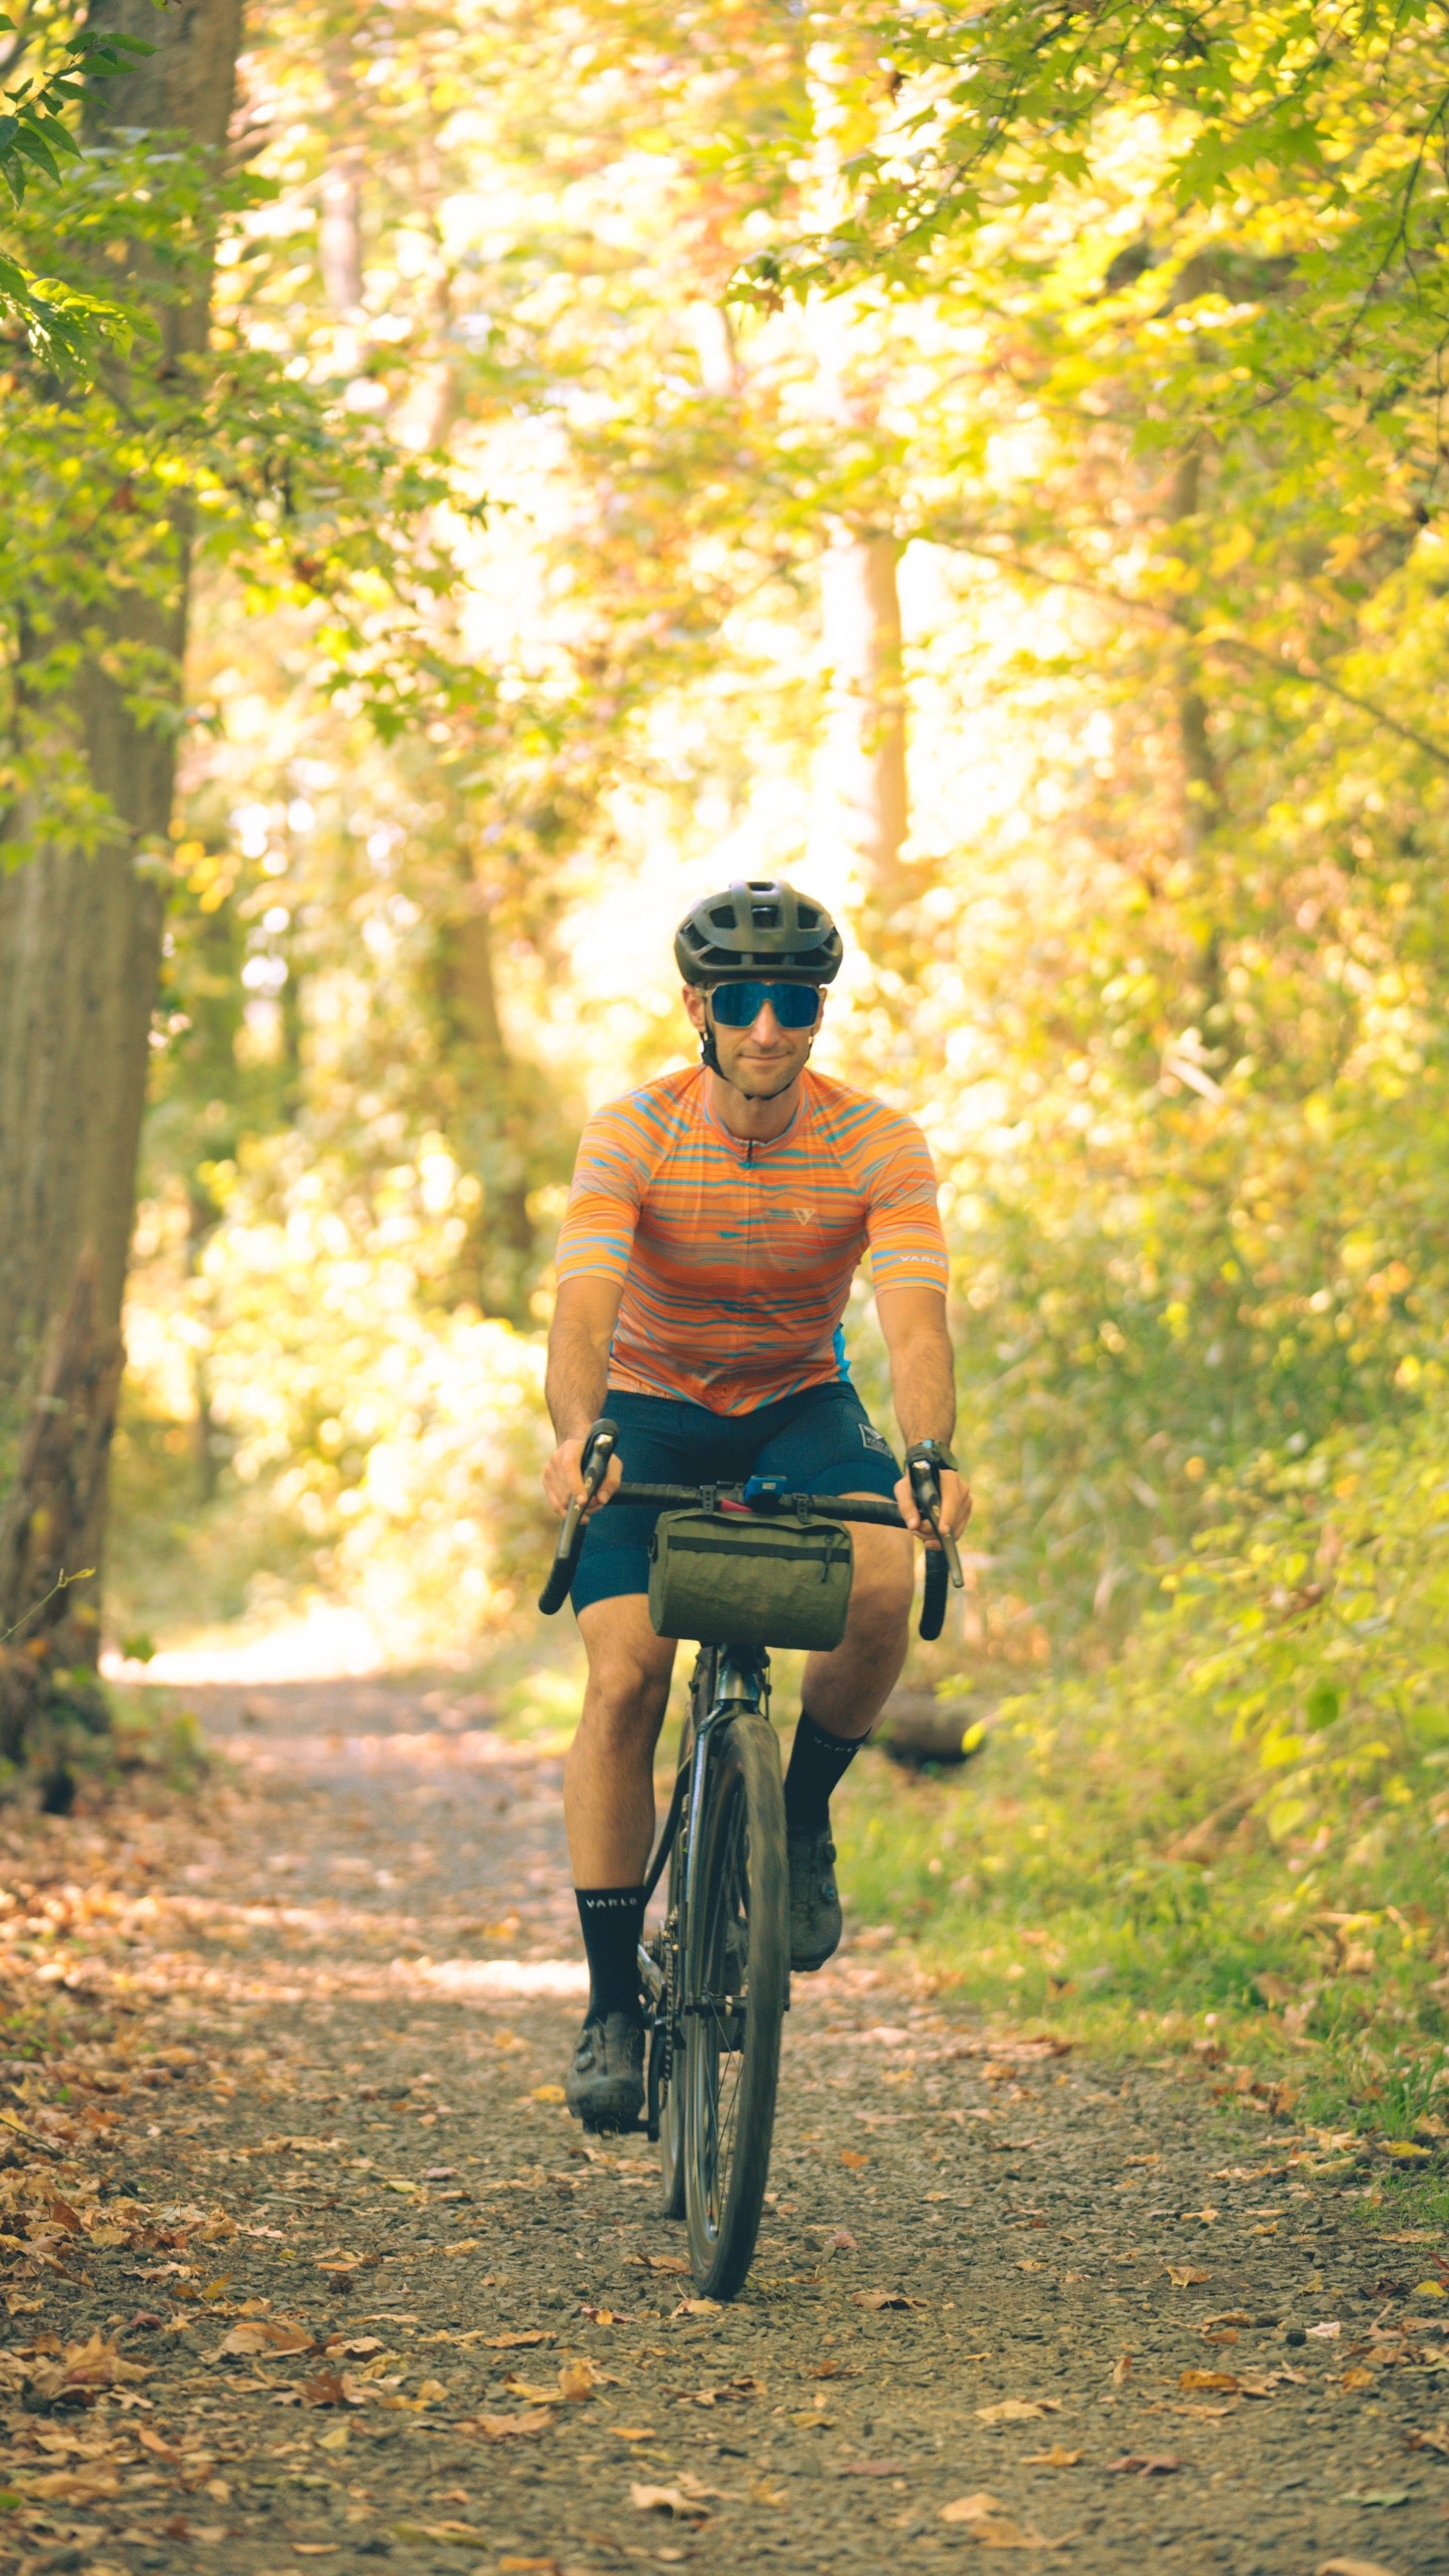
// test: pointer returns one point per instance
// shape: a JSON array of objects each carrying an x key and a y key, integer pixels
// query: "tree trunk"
[
  {"x": 81, "y": 942},
  {"x": 863, "y": 803},
  {"x": 494, "y": 1121},
  {"x": 1202, "y": 785}
]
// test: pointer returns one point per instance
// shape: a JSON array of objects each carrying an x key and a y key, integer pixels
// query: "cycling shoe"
[
  {"x": 605, "y": 2084},
  {"x": 816, "y": 1922}
]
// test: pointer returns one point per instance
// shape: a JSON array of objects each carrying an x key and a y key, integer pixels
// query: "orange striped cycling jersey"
[{"x": 736, "y": 1257}]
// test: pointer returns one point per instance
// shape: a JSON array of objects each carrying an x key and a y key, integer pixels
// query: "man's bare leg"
[
  {"x": 609, "y": 1812},
  {"x": 846, "y": 1690},
  {"x": 609, "y": 1774},
  {"x": 844, "y": 1693}
]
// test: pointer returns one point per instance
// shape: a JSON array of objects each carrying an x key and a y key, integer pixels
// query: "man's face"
[{"x": 763, "y": 1059}]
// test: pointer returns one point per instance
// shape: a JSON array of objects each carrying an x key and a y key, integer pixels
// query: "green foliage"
[
  {"x": 64, "y": 323},
  {"x": 1235, "y": 1833}
]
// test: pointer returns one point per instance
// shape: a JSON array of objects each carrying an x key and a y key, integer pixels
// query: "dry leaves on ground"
[
  {"x": 509, "y": 2428},
  {"x": 1018, "y": 2410},
  {"x": 258, "y": 2335},
  {"x": 1352, "y": 2567},
  {"x": 990, "y": 2527},
  {"x": 686, "y": 2501},
  {"x": 1186, "y": 2276}
]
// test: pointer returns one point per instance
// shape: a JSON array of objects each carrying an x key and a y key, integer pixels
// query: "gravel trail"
[{"x": 354, "y": 2288}]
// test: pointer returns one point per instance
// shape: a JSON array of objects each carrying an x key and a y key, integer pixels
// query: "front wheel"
[{"x": 736, "y": 1979}]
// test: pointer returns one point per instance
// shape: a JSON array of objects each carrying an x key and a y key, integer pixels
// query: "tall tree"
[{"x": 81, "y": 927}]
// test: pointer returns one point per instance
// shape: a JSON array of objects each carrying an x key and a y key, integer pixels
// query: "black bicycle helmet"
[{"x": 758, "y": 927}]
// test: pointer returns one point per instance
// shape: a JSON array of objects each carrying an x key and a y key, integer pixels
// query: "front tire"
[{"x": 736, "y": 1981}]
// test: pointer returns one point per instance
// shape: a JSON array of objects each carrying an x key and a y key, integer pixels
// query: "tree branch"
[{"x": 1306, "y": 674}]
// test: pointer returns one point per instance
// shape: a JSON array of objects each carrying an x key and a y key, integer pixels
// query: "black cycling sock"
[
  {"x": 612, "y": 1918},
  {"x": 818, "y": 1764}
]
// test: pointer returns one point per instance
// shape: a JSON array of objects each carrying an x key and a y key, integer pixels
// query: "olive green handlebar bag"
[{"x": 727, "y": 1581}]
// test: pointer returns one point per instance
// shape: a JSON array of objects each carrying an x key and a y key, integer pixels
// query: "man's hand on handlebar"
[
  {"x": 955, "y": 1509},
  {"x": 563, "y": 1479}
]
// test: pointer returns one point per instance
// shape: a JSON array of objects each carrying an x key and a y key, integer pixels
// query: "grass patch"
[{"x": 1234, "y": 1839}]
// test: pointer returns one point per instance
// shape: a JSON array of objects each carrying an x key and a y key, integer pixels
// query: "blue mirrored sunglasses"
[{"x": 738, "y": 1006}]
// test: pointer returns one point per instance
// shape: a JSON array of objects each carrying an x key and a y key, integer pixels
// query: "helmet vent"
[{"x": 759, "y": 925}]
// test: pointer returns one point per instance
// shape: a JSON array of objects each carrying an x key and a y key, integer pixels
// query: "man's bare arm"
[
  {"x": 923, "y": 1383},
  {"x": 576, "y": 1387}
]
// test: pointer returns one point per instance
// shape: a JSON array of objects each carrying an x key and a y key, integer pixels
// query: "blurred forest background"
[{"x": 987, "y": 466}]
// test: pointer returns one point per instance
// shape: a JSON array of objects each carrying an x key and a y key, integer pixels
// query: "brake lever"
[
  {"x": 598, "y": 1449},
  {"x": 926, "y": 1491}
]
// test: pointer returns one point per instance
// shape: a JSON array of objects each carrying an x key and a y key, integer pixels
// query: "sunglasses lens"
[
  {"x": 797, "y": 1006},
  {"x": 738, "y": 1006}
]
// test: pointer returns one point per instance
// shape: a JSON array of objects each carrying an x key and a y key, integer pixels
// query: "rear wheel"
[{"x": 736, "y": 1979}]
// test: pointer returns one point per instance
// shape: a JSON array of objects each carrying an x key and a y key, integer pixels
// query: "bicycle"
[{"x": 716, "y": 1976}]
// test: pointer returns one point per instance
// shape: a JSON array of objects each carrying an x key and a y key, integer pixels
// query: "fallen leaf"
[
  {"x": 1328, "y": 2331},
  {"x": 256, "y": 2335},
  {"x": 1357, "y": 2379},
  {"x": 515, "y": 2342},
  {"x": 632, "y": 2432},
  {"x": 547, "y": 2093},
  {"x": 1055, "y": 2458},
  {"x": 351, "y": 2347},
  {"x": 969, "y": 2508},
  {"x": 1018, "y": 2410},
  {"x": 1143, "y": 2465},
  {"x": 576, "y": 2381},
  {"x": 1351, "y": 2567},
  {"x": 1185, "y": 2276},
  {"x": 504, "y": 2428},
  {"x": 878, "y": 2299},
  {"x": 312, "y": 2548},
  {"x": 1433, "y": 2439},
  {"x": 670, "y": 2500},
  {"x": 989, "y": 2527},
  {"x": 1376, "y": 2496},
  {"x": 658, "y": 2262},
  {"x": 840, "y": 2241},
  {"x": 328, "y": 2390},
  {"x": 1226, "y": 2379},
  {"x": 1208, "y": 2217},
  {"x": 851, "y": 2156},
  {"x": 1122, "y": 2370}
]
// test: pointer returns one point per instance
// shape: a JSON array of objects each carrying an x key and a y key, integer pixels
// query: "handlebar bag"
[{"x": 727, "y": 1581}]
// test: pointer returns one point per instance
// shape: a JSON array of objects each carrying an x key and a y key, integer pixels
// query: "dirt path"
[{"x": 313, "y": 2228}]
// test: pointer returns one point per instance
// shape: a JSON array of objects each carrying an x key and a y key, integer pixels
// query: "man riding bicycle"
[{"x": 713, "y": 1230}]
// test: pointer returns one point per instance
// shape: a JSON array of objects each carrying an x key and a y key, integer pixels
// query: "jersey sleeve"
[
  {"x": 610, "y": 1175},
  {"x": 906, "y": 1245}
]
